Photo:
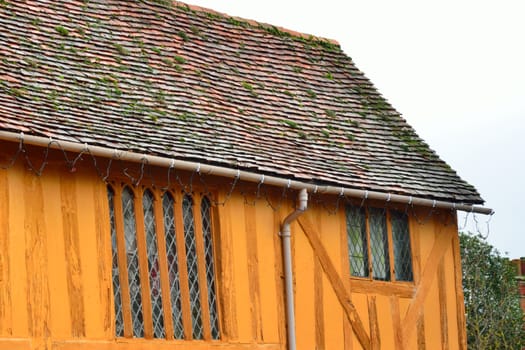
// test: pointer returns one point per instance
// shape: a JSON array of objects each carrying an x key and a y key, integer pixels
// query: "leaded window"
[
  {"x": 155, "y": 236},
  {"x": 401, "y": 240},
  {"x": 378, "y": 244},
  {"x": 192, "y": 266},
  {"x": 357, "y": 241}
]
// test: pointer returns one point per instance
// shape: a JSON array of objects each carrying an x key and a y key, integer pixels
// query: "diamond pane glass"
[
  {"x": 119, "y": 322},
  {"x": 379, "y": 244},
  {"x": 401, "y": 239},
  {"x": 210, "y": 268},
  {"x": 173, "y": 269},
  {"x": 191, "y": 261},
  {"x": 130, "y": 234},
  {"x": 153, "y": 265},
  {"x": 357, "y": 242}
]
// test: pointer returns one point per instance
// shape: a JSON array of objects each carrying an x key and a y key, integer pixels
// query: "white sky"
[{"x": 454, "y": 69}]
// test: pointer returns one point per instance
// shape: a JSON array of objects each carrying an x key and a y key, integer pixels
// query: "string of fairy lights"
[{"x": 143, "y": 176}]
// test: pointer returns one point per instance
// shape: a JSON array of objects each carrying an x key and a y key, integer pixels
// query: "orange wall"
[{"x": 55, "y": 273}]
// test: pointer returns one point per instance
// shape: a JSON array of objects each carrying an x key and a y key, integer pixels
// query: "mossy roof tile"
[{"x": 148, "y": 76}]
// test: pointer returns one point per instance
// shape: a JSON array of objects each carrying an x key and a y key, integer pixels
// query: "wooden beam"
[
  {"x": 396, "y": 322},
  {"x": 442, "y": 288},
  {"x": 439, "y": 248},
  {"x": 375, "y": 337},
  {"x": 400, "y": 289},
  {"x": 458, "y": 284},
  {"x": 253, "y": 271},
  {"x": 38, "y": 298},
  {"x": 335, "y": 281},
  {"x": 5, "y": 282},
  {"x": 72, "y": 254},
  {"x": 103, "y": 235},
  {"x": 345, "y": 268},
  {"x": 279, "y": 279},
  {"x": 420, "y": 326},
  {"x": 224, "y": 265}
]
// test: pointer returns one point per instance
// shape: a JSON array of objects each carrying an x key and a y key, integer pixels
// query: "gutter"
[
  {"x": 302, "y": 200},
  {"x": 234, "y": 173}
]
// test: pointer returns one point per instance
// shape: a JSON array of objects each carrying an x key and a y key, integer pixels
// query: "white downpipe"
[{"x": 285, "y": 234}]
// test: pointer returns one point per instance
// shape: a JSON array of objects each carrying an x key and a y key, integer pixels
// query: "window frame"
[
  {"x": 369, "y": 277},
  {"x": 117, "y": 188}
]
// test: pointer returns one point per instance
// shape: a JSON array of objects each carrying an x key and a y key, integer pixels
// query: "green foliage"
[
  {"x": 311, "y": 93},
  {"x": 290, "y": 123},
  {"x": 121, "y": 49},
  {"x": 179, "y": 59},
  {"x": 494, "y": 317},
  {"x": 62, "y": 30},
  {"x": 183, "y": 35}
]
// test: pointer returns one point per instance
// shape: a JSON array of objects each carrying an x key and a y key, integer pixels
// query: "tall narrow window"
[
  {"x": 369, "y": 234},
  {"x": 379, "y": 244},
  {"x": 401, "y": 239},
  {"x": 357, "y": 241},
  {"x": 119, "y": 321},
  {"x": 174, "y": 255},
  {"x": 191, "y": 261},
  {"x": 130, "y": 234},
  {"x": 153, "y": 265},
  {"x": 210, "y": 268},
  {"x": 173, "y": 269}
]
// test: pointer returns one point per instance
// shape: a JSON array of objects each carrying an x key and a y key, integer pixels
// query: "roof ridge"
[{"x": 271, "y": 28}]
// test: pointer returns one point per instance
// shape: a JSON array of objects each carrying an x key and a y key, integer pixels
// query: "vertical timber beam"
[{"x": 441, "y": 244}]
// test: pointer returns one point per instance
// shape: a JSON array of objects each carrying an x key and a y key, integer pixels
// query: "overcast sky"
[{"x": 454, "y": 69}]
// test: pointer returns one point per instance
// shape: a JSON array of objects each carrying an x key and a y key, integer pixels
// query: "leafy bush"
[{"x": 495, "y": 319}]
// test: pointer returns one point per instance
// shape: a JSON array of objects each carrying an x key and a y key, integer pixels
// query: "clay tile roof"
[{"x": 168, "y": 79}]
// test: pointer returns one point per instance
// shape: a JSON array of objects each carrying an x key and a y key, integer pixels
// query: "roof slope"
[{"x": 186, "y": 83}]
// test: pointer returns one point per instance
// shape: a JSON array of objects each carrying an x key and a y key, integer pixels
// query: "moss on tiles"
[
  {"x": 17, "y": 92},
  {"x": 311, "y": 93},
  {"x": 290, "y": 123},
  {"x": 249, "y": 87},
  {"x": 36, "y": 21},
  {"x": 183, "y": 35},
  {"x": 138, "y": 41},
  {"x": 179, "y": 59},
  {"x": 354, "y": 123},
  {"x": 121, "y": 49},
  {"x": 168, "y": 62},
  {"x": 34, "y": 64},
  {"x": 185, "y": 116},
  {"x": 330, "y": 113},
  {"x": 237, "y": 23},
  {"x": 62, "y": 30}
]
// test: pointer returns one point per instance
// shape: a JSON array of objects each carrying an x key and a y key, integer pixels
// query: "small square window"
[{"x": 373, "y": 233}]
